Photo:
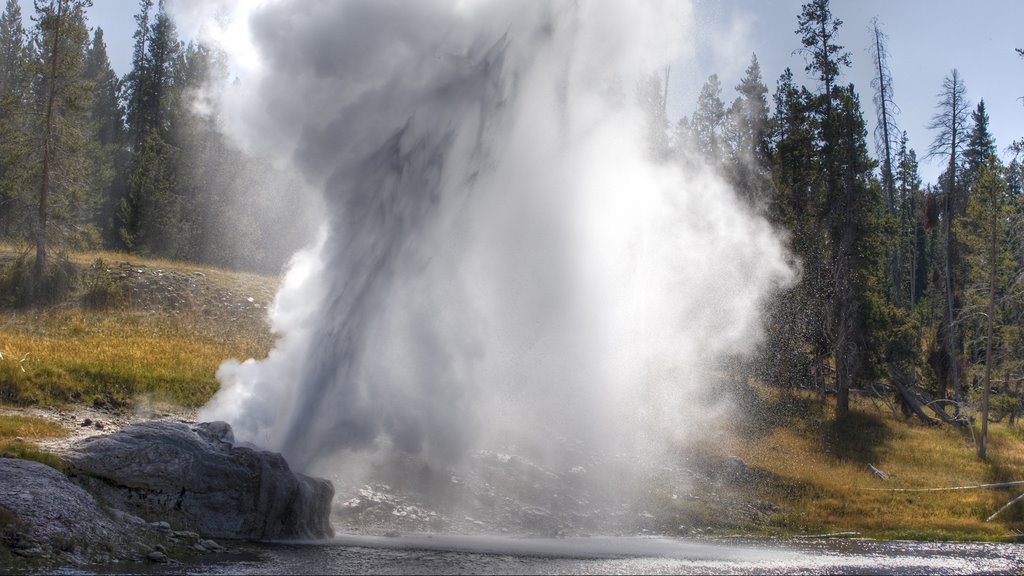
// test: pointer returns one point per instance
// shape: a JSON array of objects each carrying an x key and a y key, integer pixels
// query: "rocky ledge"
[
  {"x": 44, "y": 516},
  {"x": 192, "y": 482},
  {"x": 197, "y": 478}
]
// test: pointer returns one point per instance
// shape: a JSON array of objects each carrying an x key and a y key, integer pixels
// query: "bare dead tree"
[
  {"x": 950, "y": 121},
  {"x": 885, "y": 130}
]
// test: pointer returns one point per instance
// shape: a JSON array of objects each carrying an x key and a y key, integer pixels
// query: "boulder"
[
  {"x": 197, "y": 478},
  {"x": 44, "y": 516}
]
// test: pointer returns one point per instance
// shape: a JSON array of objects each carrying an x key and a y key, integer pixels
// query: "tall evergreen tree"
[
  {"x": 841, "y": 163},
  {"x": 853, "y": 211},
  {"x": 62, "y": 93},
  {"x": 825, "y": 58},
  {"x": 907, "y": 181},
  {"x": 14, "y": 117},
  {"x": 708, "y": 120},
  {"x": 149, "y": 216},
  {"x": 749, "y": 129},
  {"x": 950, "y": 123},
  {"x": 980, "y": 145},
  {"x": 990, "y": 263},
  {"x": 14, "y": 51},
  {"x": 137, "y": 82},
  {"x": 799, "y": 347},
  {"x": 108, "y": 140}
]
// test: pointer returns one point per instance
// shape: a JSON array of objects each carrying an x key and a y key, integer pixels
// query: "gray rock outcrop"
[
  {"x": 195, "y": 477},
  {"x": 44, "y": 516}
]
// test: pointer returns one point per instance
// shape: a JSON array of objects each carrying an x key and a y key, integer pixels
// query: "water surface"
[{"x": 450, "y": 554}]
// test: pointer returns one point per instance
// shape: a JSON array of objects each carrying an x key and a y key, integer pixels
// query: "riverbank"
[{"x": 780, "y": 466}]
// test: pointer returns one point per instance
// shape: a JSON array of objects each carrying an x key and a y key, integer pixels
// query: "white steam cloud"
[{"x": 500, "y": 256}]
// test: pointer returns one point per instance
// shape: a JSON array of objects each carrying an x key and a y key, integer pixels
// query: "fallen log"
[
  {"x": 826, "y": 536},
  {"x": 1005, "y": 506},
  {"x": 911, "y": 399},
  {"x": 949, "y": 489},
  {"x": 876, "y": 472}
]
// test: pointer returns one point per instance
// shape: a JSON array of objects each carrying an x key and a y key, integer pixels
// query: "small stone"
[
  {"x": 157, "y": 556},
  {"x": 210, "y": 545},
  {"x": 186, "y": 534},
  {"x": 99, "y": 425},
  {"x": 199, "y": 548},
  {"x": 87, "y": 422},
  {"x": 161, "y": 525}
]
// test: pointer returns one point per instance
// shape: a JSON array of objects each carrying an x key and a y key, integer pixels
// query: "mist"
[{"x": 501, "y": 263}]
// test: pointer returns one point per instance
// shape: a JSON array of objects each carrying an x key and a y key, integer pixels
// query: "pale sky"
[{"x": 927, "y": 39}]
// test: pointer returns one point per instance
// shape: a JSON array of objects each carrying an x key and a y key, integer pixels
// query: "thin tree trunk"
[
  {"x": 44, "y": 187},
  {"x": 950, "y": 313},
  {"x": 951, "y": 209},
  {"x": 895, "y": 260},
  {"x": 993, "y": 241}
]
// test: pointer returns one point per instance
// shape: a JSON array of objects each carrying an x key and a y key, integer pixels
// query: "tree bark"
[
  {"x": 993, "y": 246},
  {"x": 42, "y": 215}
]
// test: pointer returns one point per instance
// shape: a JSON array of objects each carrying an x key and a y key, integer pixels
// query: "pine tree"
[
  {"x": 847, "y": 218},
  {"x": 854, "y": 210},
  {"x": 15, "y": 60},
  {"x": 107, "y": 138},
  {"x": 797, "y": 202},
  {"x": 817, "y": 30},
  {"x": 63, "y": 95},
  {"x": 149, "y": 215},
  {"x": 751, "y": 148},
  {"x": 986, "y": 239},
  {"x": 911, "y": 235},
  {"x": 708, "y": 120},
  {"x": 14, "y": 52},
  {"x": 797, "y": 352},
  {"x": 980, "y": 145},
  {"x": 137, "y": 82}
]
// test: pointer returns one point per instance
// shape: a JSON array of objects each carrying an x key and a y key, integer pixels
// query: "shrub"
[
  {"x": 18, "y": 287},
  {"x": 98, "y": 289}
]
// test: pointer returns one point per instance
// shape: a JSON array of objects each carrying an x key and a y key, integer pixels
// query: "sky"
[{"x": 927, "y": 39}]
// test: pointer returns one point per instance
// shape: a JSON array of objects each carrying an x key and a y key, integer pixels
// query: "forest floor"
[{"x": 139, "y": 338}]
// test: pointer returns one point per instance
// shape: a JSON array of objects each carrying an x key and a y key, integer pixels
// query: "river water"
[{"x": 435, "y": 554}]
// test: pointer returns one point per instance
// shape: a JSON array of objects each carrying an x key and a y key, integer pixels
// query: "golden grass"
[
  {"x": 18, "y": 433},
  {"x": 29, "y": 428},
  {"x": 817, "y": 472},
  {"x": 68, "y": 353}
]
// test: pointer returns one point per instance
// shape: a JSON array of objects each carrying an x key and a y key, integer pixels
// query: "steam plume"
[{"x": 499, "y": 254}]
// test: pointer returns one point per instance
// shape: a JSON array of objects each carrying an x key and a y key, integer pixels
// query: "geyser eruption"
[{"x": 502, "y": 263}]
